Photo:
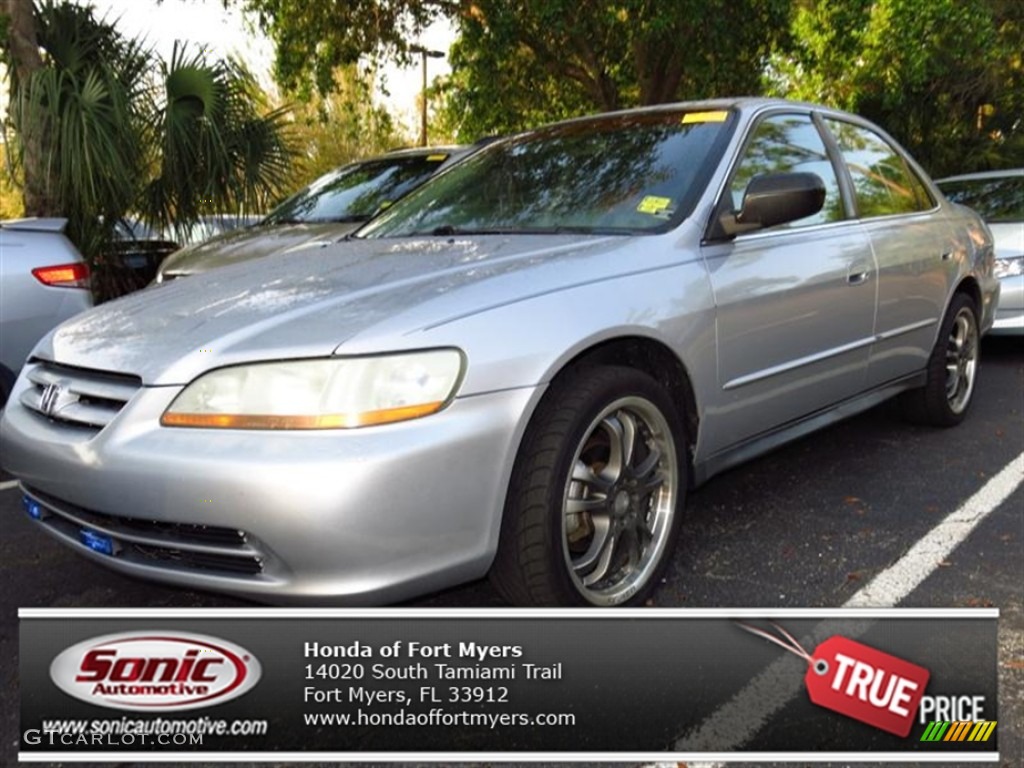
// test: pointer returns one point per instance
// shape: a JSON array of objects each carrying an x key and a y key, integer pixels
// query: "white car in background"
[
  {"x": 43, "y": 281},
  {"x": 998, "y": 196}
]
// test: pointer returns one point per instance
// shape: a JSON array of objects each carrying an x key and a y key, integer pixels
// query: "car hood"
[
  {"x": 252, "y": 243},
  {"x": 313, "y": 301}
]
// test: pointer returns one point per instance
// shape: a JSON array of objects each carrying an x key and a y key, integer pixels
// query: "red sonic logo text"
[{"x": 155, "y": 671}]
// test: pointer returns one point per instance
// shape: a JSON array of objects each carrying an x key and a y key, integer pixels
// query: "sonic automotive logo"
[{"x": 155, "y": 671}]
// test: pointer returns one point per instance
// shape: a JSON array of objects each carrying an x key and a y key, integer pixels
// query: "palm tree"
[
  {"x": 114, "y": 131},
  {"x": 215, "y": 152}
]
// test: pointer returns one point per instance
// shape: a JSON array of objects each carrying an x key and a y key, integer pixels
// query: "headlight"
[
  {"x": 1009, "y": 267},
  {"x": 334, "y": 393}
]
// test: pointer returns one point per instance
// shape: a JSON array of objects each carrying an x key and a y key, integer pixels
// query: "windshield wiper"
[
  {"x": 445, "y": 230},
  {"x": 578, "y": 230},
  {"x": 356, "y": 219},
  {"x": 448, "y": 229}
]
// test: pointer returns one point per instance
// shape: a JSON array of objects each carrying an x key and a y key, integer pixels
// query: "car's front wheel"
[{"x": 595, "y": 501}]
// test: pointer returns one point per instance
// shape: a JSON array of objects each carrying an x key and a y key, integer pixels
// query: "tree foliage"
[
  {"x": 943, "y": 76},
  {"x": 550, "y": 58},
  {"x": 216, "y": 150},
  {"x": 313, "y": 38},
  {"x": 344, "y": 125},
  {"x": 521, "y": 62},
  {"x": 103, "y": 130},
  {"x": 12, "y": 205}
]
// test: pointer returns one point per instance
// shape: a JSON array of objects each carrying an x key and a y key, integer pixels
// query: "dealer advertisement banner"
[{"x": 280, "y": 684}]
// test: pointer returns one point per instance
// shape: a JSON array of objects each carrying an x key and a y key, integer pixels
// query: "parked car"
[
  {"x": 43, "y": 281},
  {"x": 134, "y": 258},
  {"x": 328, "y": 209},
  {"x": 520, "y": 368},
  {"x": 999, "y": 197},
  {"x": 131, "y": 260},
  {"x": 211, "y": 225}
]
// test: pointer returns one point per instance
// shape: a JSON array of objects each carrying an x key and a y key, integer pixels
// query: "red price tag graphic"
[
  {"x": 866, "y": 684},
  {"x": 857, "y": 680}
]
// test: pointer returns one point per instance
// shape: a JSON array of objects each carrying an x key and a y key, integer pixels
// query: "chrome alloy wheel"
[
  {"x": 961, "y": 360},
  {"x": 619, "y": 501}
]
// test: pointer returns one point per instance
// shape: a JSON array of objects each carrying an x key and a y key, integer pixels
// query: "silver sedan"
[
  {"x": 43, "y": 281},
  {"x": 329, "y": 208},
  {"x": 998, "y": 197},
  {"x": 519, "y": 370}
]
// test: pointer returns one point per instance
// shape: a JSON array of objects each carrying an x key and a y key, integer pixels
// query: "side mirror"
[{"x": 775, "y": 198}]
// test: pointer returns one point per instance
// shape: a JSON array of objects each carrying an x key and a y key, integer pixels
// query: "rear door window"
[{"x": 883, "y": 183}]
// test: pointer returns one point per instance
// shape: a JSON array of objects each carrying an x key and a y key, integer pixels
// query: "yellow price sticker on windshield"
[
  {"x": 436, "y": 158},
  {"x": 654, "y": 205},
  {"x": 705, "y": 117}
]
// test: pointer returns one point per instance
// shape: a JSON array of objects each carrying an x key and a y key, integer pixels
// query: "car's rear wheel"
[
  {"x": 952, "y": 369},
  {"x": 595, "y": 501}
]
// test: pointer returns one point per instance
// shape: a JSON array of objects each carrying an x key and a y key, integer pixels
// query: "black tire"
[
  {"x": 7, "y": 379},
  {"x": 952, "y": 370},
  {"x": 588, "y": 520}
]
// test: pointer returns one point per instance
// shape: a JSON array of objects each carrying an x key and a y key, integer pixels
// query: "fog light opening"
[
  {"x": 97, "y": 542},
  {"x": 33, "y": 508}
]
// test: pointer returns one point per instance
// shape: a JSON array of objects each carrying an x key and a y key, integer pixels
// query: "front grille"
[
  {"x": 177, "y": 558},
  {"x": 178, "y": 546},
  {"x": 77, "y": 396}
]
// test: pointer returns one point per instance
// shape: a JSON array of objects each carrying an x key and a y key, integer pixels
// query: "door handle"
[
  {"x": 947, "y": 255},
  {"x": 856, "y": 278}
]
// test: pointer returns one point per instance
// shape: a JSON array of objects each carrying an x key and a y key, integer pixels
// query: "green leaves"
[
  {"x": 943, "y": 76},
  {"x": 115, "y": 132},
  {"x": 84, "y": 106},
  {"x": 215, "y": 151},
  {"x": 315, "y": 37},
  {"x": 528, "y": 62}
]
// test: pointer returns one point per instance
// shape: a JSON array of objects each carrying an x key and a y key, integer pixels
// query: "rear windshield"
[
  {"x": 629, "y": 173},
  {"x": 356, "y": 192},
  {"x": 999, "y": 201}
]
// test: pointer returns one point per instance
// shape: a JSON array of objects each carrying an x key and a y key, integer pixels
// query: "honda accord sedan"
[{"x": 520, "y": 369}]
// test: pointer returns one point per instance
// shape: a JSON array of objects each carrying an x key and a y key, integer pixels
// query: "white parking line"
[
  {"x": 739, "y": 719},
  {"x": 6, "y": 486}
]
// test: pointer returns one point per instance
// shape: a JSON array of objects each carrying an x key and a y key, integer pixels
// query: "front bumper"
[
  {"x": 349, "y": 516},
  {"x": 1009, "y": 318}
]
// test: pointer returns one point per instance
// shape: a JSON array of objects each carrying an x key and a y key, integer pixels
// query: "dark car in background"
[
  {"x": 329, "y": 208},
  {"x": 130, "y": 260},
  {"x": 998, "y": 196}
]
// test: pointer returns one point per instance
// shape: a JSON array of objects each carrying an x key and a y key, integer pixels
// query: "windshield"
[
  {"x": 357, "y": 191},
  {"x": 997, "y": 200},
  {"x": 628, "y": 173}
]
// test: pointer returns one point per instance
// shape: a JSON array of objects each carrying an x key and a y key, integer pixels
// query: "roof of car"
[
  {"x": 744, "y": 103},
  {"x": 981, "y": 175},
  {"x": 415, "y": 151}
]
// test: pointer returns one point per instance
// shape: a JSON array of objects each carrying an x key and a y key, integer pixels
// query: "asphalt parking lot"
[{"x": 808, "y": 525}]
